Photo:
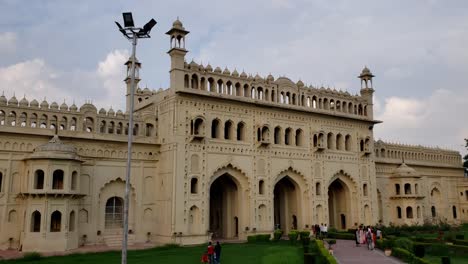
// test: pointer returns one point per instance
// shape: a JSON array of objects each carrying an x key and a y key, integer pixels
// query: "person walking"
[
  {"x": 357, "y": 237},
  {"x": 369, "y": 239},
  {"x": 217, "y": 250},
  {"x": 211, "y": 252}
]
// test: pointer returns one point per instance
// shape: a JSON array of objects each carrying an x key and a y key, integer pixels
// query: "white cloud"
[
  {"x": 7, "y": 42},
  {"x": 111, "y": 72},
  {"x": 437, "y": 120}
]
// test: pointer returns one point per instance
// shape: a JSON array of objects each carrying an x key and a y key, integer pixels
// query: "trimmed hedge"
[
  {"x": 404, "y": 243},
  {"x": 261, "y": 238},
  {"x": 460, "y": 242},
  {"x": 346, "y": 236},
  {"x": 323, "y": 256},
  {"x": 293, "y": 235},
  {"x": 277, "y": 234},
  {"x": 407, "y": 257}
]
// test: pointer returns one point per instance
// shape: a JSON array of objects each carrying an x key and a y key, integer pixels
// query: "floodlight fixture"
[
  {"x": 128, "y": 19},
  {"x": 148, "y": 26}
]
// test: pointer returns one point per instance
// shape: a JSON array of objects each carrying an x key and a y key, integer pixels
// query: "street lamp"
[{"x": 131, "y": 33}]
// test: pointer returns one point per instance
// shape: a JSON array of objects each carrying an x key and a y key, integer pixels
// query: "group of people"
[
  {"x": 367, "y": 235},
  {"x": 212, "y": 254},
  {"x": 320, "y": 231}
]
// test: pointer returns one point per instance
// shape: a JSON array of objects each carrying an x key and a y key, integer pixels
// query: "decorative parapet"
[
  {"x": 32, "y": 115},
  {"x": 416, "y": 154},
  {"x": 281, "y": 92}
]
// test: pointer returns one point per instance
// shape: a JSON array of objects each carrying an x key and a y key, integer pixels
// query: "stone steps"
[{"x": 115, "y": 239}]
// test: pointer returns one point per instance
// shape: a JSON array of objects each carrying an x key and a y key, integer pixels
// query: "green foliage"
[
  {"x": 252, "y": 239},
  {"x": 330, "y": 241},
  {"x": 346, "y": 236},
  {"x": 332, "y": 230},
  {"x": 449, "y": 236},
  {"x": 387, "y": 244},
  {"x": 303, "y": 234},
  {"x": 460, "y": 236},
  {"x": 277, "y": 234},
  {"x": 323, "y": 256},
  {"x": 293, "y": 235},
  {"x": 261, "y": 238},
  {"x": 419, "y": 250},
  {"x": 460, "y": 242},
  {"x": 31, "y": 256},
  {"x": 404, "y": 243},
  {"x": 445, "y": 260},
  {"x": 407, "y": 257}
]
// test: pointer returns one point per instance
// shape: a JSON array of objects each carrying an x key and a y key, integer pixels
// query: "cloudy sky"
[{"x": 71, "y": 50}]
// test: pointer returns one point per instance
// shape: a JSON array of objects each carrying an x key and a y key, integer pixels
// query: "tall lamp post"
[{"x": 131, "y": 33}]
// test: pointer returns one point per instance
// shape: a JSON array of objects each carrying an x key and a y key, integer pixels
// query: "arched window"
[
  {"x": 36, "y": 222},
  {"x": 57, "y": 180},
  {"x": 186, "y": 81},
  {"x": 240, "y": 131},
  {"x": 454, "y": 212},
  {"x": 1, "y": 181},
  {"x": 330, "y": 141},
  {"x": 136, "y": 130},
  {"x": 398, "y": 212},
  {"x": 261, "y": 187},
  {"x": 315, "y": 141},
  {"x": 149, "y": 129},
  {"x": 433, "y": 211},
  {"x": 364, "y": 189},
  {"x": 409, "y": 212},
  {"x": 215, "y": 128},
  {"x": 74, "y": 179},
  {"x": 194, "y": 186},
  {"x": 277, "y": 135},
  {"x": 299, "y": 137},
  {"x": 55, "y": 221},
  {"x": 265, "y": 134},
  {"x": 228, "y": 130},
  {"x": 71, "y": 224},
  {"x": 361, "y": 145},
  {"x": 348, "y": 143},
  {"x": 114, "y": 212},
  {"x": 198, "y": 127},
  {"x": 317, "y": 188},
  {"x": 397, "y": 189},
  {"x": 39, "y": 179},
  {"x": 416, "y": 189},
  {"x": 407, "y": 188},
  {"x": 287, "y": 136},
  {"x": 339, "y": 142},
  {"x": 418, "y": 212}
]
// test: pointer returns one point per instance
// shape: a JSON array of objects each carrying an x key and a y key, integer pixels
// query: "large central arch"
[{"x": 340, "y": 202}]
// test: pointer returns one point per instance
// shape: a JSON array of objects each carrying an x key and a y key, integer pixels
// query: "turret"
[
  {"x": 367, "y": 91},
  {"x": 128, "y": 79},
  {"x": 177, "y": 52}
]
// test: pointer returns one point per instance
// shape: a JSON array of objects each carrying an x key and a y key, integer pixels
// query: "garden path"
[{"x": 345, "y": 251}]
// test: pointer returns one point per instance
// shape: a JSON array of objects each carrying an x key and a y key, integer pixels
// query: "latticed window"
[{"x": 114, "y": 212}]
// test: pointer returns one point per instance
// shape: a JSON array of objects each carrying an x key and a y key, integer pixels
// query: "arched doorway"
[
  {"x": 339, "y": 205},
  {"x": 286, "y": 204},
  {"x": 224, "y": 207},
  {"x": 114, "y": 213}
]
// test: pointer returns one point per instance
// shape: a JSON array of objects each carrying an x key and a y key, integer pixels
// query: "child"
[{"x": 204, "y": 258}]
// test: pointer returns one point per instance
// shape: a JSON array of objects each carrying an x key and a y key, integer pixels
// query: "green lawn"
[
  {"x": 453, "y": 260},
  {"x": 269, "y": 253}
]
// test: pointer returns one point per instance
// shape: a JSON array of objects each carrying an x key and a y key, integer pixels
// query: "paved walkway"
[{"x": 345, "y": 251}]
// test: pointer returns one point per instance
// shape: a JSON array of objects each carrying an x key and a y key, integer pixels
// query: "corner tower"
[
  {"x": 177, "y": 52},
  {"x": 367, "y": 90},
  {"x": 128, "y": 80}
]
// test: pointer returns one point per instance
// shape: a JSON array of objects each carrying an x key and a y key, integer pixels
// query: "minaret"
[
  {"x": 367, "y": 90},
  {"x": 128, "y": 80},
  {"x": 177, "y": 52}
]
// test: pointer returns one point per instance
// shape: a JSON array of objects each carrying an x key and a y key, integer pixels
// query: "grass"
[
  {"x": 267, "y": 253},
  {"x": 453, "y": 260}
]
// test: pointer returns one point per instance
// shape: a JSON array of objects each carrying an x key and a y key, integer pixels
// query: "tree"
[{"x": 465, "y": 158}]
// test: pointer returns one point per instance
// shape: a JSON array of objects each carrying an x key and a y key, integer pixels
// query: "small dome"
[
  {"x": 243, "y": 74},
  {"x": 208, "y": 68},
  {"x": 250, "y": 78},
  {"x": 34, "y": 103},
  {"x": 146, "y": 90},
  {"x": 111, "y": 112},
  {"x": 24, "y": 102},
  {"x": 235, "y": 73},
  {"x": 119, "y": 113},
  {"x": 270, "y": 78},
  {"x": 73, "y": 107},
  {"x": 44, "y": 104},
  {"x": 13, "y": 101},
  {"x": 226, "y": 71},
  {"x": 3, "y": 100},
  {"x": 217, "y": 70},
  {"x": 54, "y": 106},
  {"x": 102, "y": 111},
  {"x": 64, "y": 106},
  {"x": 193, "y": 65},
  {"x": 366, "y": 73},
  {"x": 88, "y": 107},
  {"x": 258, "y": 77},
  {"x": 138, "y": 90},
  {"x": 300, "y": 84},
  {"x": 405, "y": 171},
  {"x": 177, "y": 24},
  {"x": 55, "y": 149}
]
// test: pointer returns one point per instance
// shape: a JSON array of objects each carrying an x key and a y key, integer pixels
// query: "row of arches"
[
  {"x": 71, "y": 123},
  {"x": 407, "y": 189},
  {"x": 409, "y": 212},
  {"x": 284, "y": 97},
  {"x": 408, "y": 155},
  {"x": 338, "y": 142},
  {"x": 55, "y": 221},
  {"x": 57, "y": 181},
  {"x": 288, "y": 136}
]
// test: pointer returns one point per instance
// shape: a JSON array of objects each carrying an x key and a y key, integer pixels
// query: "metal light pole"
[{"x": 132, "y": 33}]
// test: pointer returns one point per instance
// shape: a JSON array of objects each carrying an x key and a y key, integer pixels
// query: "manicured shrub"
[
  {"x": 445, "y": 260},
  {"x": 277, "y": 234},
  {"x": 449, "y": 236},
  {"x": 293, "y": 235},
  {"x": 30, "y": 256},
  {"x": 402, "y": 254},
  {"x": 251, "y": 239},
  {"x": 263, "y": 238},
  {"x": 387, "y": 244},
  {"x": 404, "y": 243},
  {"x": 457, "y": 250},
  {"x": 323, "y": 256},
  {"x": 419, "y": 250},
  {"x": 346, "y": 236},
  {"x": 460, "y": 236},
  {"x": 460, "y": 242},
  {"x": 303, "y": 234}
]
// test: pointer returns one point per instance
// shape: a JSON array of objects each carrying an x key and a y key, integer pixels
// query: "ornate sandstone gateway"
[{"x": 218, "y": 153}]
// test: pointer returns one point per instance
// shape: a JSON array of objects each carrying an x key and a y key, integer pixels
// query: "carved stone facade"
[{"x": 217, "y": 154}]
